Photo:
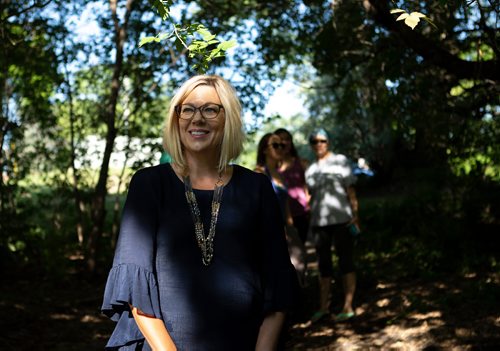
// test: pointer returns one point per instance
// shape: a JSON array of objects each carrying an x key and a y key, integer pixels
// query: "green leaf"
[
  {"x": 214, "y": 53},
  {"x": 147, "y": 40},
  {"x": 193, "y": 46},
  {"x": 205, "y": 34},
  {"x": 158, "y": 38},
  {"x": 225, "y": 45},
  {"x": 164, "y": 36},
  {"x": 163, "y": 8},
  {"x": 202, "y": 45}
]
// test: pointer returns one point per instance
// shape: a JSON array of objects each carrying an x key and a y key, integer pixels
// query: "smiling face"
[
  {"x": 274, "y": 148},
  {"x": 199, "y": 135}
]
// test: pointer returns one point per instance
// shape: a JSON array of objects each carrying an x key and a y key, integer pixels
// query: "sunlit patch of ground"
[
  {"x": 406, "y": 316},
  {"x": 450, "y": 313}
]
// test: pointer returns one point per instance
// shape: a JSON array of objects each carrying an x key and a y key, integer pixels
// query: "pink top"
[{"x": 295, "y": 182}]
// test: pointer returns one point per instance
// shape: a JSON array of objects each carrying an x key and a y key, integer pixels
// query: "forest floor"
[{"x": 460, "y": 312}]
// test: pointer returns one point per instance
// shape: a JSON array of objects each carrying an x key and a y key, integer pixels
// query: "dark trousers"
[
  {"x": 343, "y": 241},
  {"x": 302, "y": 224}
]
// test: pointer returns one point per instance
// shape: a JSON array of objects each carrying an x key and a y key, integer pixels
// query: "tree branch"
[
  {"x": 490, "y": 32},
  {"x": 21, "y": 11},
  {"x": 429, "y": 50}
]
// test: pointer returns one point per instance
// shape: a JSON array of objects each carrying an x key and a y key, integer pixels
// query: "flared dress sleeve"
[
  {"x": 279, "y": 276},
  {"x": 132, "y": 279}
]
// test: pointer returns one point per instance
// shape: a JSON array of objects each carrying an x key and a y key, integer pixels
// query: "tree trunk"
[
  {"x": 98, "y": 213},
  {"x": 116, "y": 206},
  {"x": 4, "y": 122},
  {"x": 79, "y": 205},
  {"x": 98, "y": 208},
  {"x": 3, "y": 130}
]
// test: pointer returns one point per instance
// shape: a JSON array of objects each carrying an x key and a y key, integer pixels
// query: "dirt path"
[
  {"x": 398, "y": 314},
  {"x": 401, "y": 313},
  {"x": 416, "y": 315}
]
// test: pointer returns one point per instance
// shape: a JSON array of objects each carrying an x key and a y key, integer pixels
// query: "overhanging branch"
[{"x": 429, "y": 50}]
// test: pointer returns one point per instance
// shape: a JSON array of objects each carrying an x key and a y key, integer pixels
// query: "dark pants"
[
  {"x": 344, "y": 247},
  {"x": 302, "y": 224}
]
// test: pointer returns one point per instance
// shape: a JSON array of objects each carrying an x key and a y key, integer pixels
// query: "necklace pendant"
[{"x": 205, "y": 243}]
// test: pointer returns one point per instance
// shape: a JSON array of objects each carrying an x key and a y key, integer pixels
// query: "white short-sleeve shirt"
[{"x": 327, "y": 181}]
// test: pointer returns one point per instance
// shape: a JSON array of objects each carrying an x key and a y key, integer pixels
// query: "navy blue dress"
[{"x": 158, "y": 268}]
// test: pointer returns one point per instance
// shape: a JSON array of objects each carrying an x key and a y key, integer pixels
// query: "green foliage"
[
  {"x": 163, "y": 8},
  {"x": 49, "y": 146},
  {"x": 41, "y": 235},
  {"x": 28, "y": 76},
  {"x": 378, "y": 91},
  {"x": 477, "y": 164},
  {"x": 205, "y": 49},
  {"x": 424, "y": 227},
  {"x": 38, "y": 236}
]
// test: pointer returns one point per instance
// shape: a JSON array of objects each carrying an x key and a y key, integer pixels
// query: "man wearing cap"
[{"x": 334, "y": 216}]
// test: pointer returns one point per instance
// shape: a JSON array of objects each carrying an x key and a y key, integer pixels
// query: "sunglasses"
[
  {"x": 277, "y": 145},
  {"x": 319, "y": 141}
]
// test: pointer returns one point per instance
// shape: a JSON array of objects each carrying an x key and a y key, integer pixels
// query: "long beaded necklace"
[{"x": 205, "y": 243}]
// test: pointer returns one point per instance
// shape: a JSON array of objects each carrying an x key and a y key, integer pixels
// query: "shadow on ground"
[
  {"x": 401, "y": 313},
  {"x": 459, "y": 312}
]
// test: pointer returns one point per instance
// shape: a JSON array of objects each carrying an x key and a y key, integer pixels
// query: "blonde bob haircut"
[{"x": 233, "y": 135}]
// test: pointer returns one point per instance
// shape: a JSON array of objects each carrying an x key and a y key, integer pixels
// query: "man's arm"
[{"x": 353, "y": 201}]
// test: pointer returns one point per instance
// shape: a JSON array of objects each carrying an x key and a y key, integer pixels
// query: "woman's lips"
[{"x": 198, "y": 133}]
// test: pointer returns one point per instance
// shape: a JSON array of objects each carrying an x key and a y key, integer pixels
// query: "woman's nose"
[{"x": 197, "y": 117}]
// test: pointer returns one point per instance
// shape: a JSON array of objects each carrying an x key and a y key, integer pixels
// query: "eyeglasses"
[
  {"x": 208, "y": 111},
  {"x": 319, "y": 141},
  {"x": 278, "y": 145}
]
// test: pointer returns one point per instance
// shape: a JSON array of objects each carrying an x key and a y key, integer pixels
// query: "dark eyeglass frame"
[
  {"x": 319, "y": 141},
  {"x": 202, "y": 108},
  {"x": 277, "y": 146}
]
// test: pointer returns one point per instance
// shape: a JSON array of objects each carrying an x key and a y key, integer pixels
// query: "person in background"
[
  {"x": 165, "y": 157},
  {"x": 201, "y": 261},
  {"x": 292, "y": 170},
  {"x": 334, "y": 214},
  {"x": 269, "y": 156}
]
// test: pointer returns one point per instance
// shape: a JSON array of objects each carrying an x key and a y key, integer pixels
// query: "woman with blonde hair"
[{"x": 201, "y": 261}]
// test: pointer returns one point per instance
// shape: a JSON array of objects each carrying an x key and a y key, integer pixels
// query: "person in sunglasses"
[
  {"x": 270, "y": 152},
  {"x": 201, "y": 261},
  {"x": 334, "y": 215},
  {"x": 292, "y": 168}
]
